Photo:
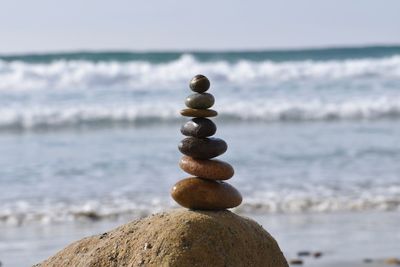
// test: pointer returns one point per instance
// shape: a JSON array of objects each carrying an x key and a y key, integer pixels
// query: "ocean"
[{"x": 89, "y": 140}]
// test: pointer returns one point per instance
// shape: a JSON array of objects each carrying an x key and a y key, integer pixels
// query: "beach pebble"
[
  {"x": 303, "y": 253},
  {"x": 200, "y": 113},
  {"x": 199, "y": 127},
  {"x": 202, "y": 148},
  {"x": 104, "y": 235},
  {"x": 295, "y": 262},
  {"x": 202, "y": 194},
  {"x": 199, "y": 83},
  {"x": 208, "y": 169},
  {"x": 317, "y": 254},
  {"x": 147, "y": 246},
  {"x": 200, "y": 101},
  {"x": 392, "y": 261}
]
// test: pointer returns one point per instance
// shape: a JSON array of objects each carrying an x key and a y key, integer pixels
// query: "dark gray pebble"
[
  {"x": 303, "y": 253},
  {"x": 202, "y": 148},
  {"x": 199, "y": 83},
  {"x": 199, "y": 127}
]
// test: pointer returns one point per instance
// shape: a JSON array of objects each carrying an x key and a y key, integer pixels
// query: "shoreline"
[
  {"x": 379, "y": 263},
  {"x": 30, "y": 244}
]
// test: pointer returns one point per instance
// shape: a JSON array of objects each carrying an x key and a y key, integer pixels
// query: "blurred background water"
[{"x": 89, "y": 140}]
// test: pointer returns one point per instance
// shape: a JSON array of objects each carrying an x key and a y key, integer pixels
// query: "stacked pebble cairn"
[{"x": 206, "y": 190}]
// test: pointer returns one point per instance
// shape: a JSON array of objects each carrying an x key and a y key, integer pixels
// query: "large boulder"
[{"x": 177, "y": 238}]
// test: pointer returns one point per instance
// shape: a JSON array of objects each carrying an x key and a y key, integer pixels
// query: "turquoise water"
[
  {"x": 93, "y": 137},
  {"x": 338, "y": 53}
]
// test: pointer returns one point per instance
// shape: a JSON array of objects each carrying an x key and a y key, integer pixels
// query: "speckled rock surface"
[{"x": 178, "y": 238}]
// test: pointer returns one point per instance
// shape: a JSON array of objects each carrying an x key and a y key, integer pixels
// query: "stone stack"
[
  {"x": 180, "y": 237},
  {"x": 206, "y": 189}
]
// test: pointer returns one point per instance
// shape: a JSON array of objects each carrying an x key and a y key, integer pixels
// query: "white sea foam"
[
  {"x": 94, "y": 115},
  {"x": 86, "y": 74},
  {"x": 272, "y": 202},
  {"x": 91, "y": 116},
  {"x": 50, "y": 108},
  {"x": 22, "y": 212}
]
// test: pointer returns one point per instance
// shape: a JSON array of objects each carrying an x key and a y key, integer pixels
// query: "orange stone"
[
  {"x": 207, "y": 169},
  {"x": 201, "y": 194},
  {"x": 199, "y": 113}
]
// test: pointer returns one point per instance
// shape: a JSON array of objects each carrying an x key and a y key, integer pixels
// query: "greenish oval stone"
[
  {"x": 200, "y": 101},
  {"x": 200, "y": 113}
]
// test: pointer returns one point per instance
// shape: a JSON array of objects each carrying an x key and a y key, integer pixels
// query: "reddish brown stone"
[
  {"x": 201, "y": 194},
  {"x": 207, "y": 169},
  {"x": 295, "y": 262}
]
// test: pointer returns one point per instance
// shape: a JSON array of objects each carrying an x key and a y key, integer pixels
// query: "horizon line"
[{"x": 210, "y": 50}]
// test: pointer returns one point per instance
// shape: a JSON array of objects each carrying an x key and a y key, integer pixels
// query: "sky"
[{"x": 146, "y": 25}]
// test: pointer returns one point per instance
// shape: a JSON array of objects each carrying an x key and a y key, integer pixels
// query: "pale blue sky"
[{"x": 59, "y": 25}]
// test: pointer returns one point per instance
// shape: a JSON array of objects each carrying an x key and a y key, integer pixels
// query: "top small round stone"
[{"x": 199, "y": 83}]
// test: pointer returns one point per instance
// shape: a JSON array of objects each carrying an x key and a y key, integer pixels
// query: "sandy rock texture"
[{"x": 176, "y": 238}]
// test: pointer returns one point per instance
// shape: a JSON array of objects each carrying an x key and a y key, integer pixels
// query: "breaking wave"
[
  {"x": 133, "y": 74},
  {"x": 36, "y": 118},
  {"x": 58, "y": 93},
  {"x": 22, "y": 212}
]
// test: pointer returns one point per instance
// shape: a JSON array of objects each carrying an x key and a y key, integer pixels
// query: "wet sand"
[{"x": 357, "y": 264}]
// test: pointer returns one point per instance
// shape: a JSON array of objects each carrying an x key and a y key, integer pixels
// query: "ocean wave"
[
  {"x": 42, "y": 118},
  {"x": 61, "y": 74},
  {"x": 23, "y": 212},
  {"x": 324, "y": 199},
  {"x": 317, "y": 205},
  {"x": 92, "y": 116}
]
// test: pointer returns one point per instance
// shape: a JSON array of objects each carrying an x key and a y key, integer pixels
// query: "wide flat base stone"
[{"x": 177, "y": 238}]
